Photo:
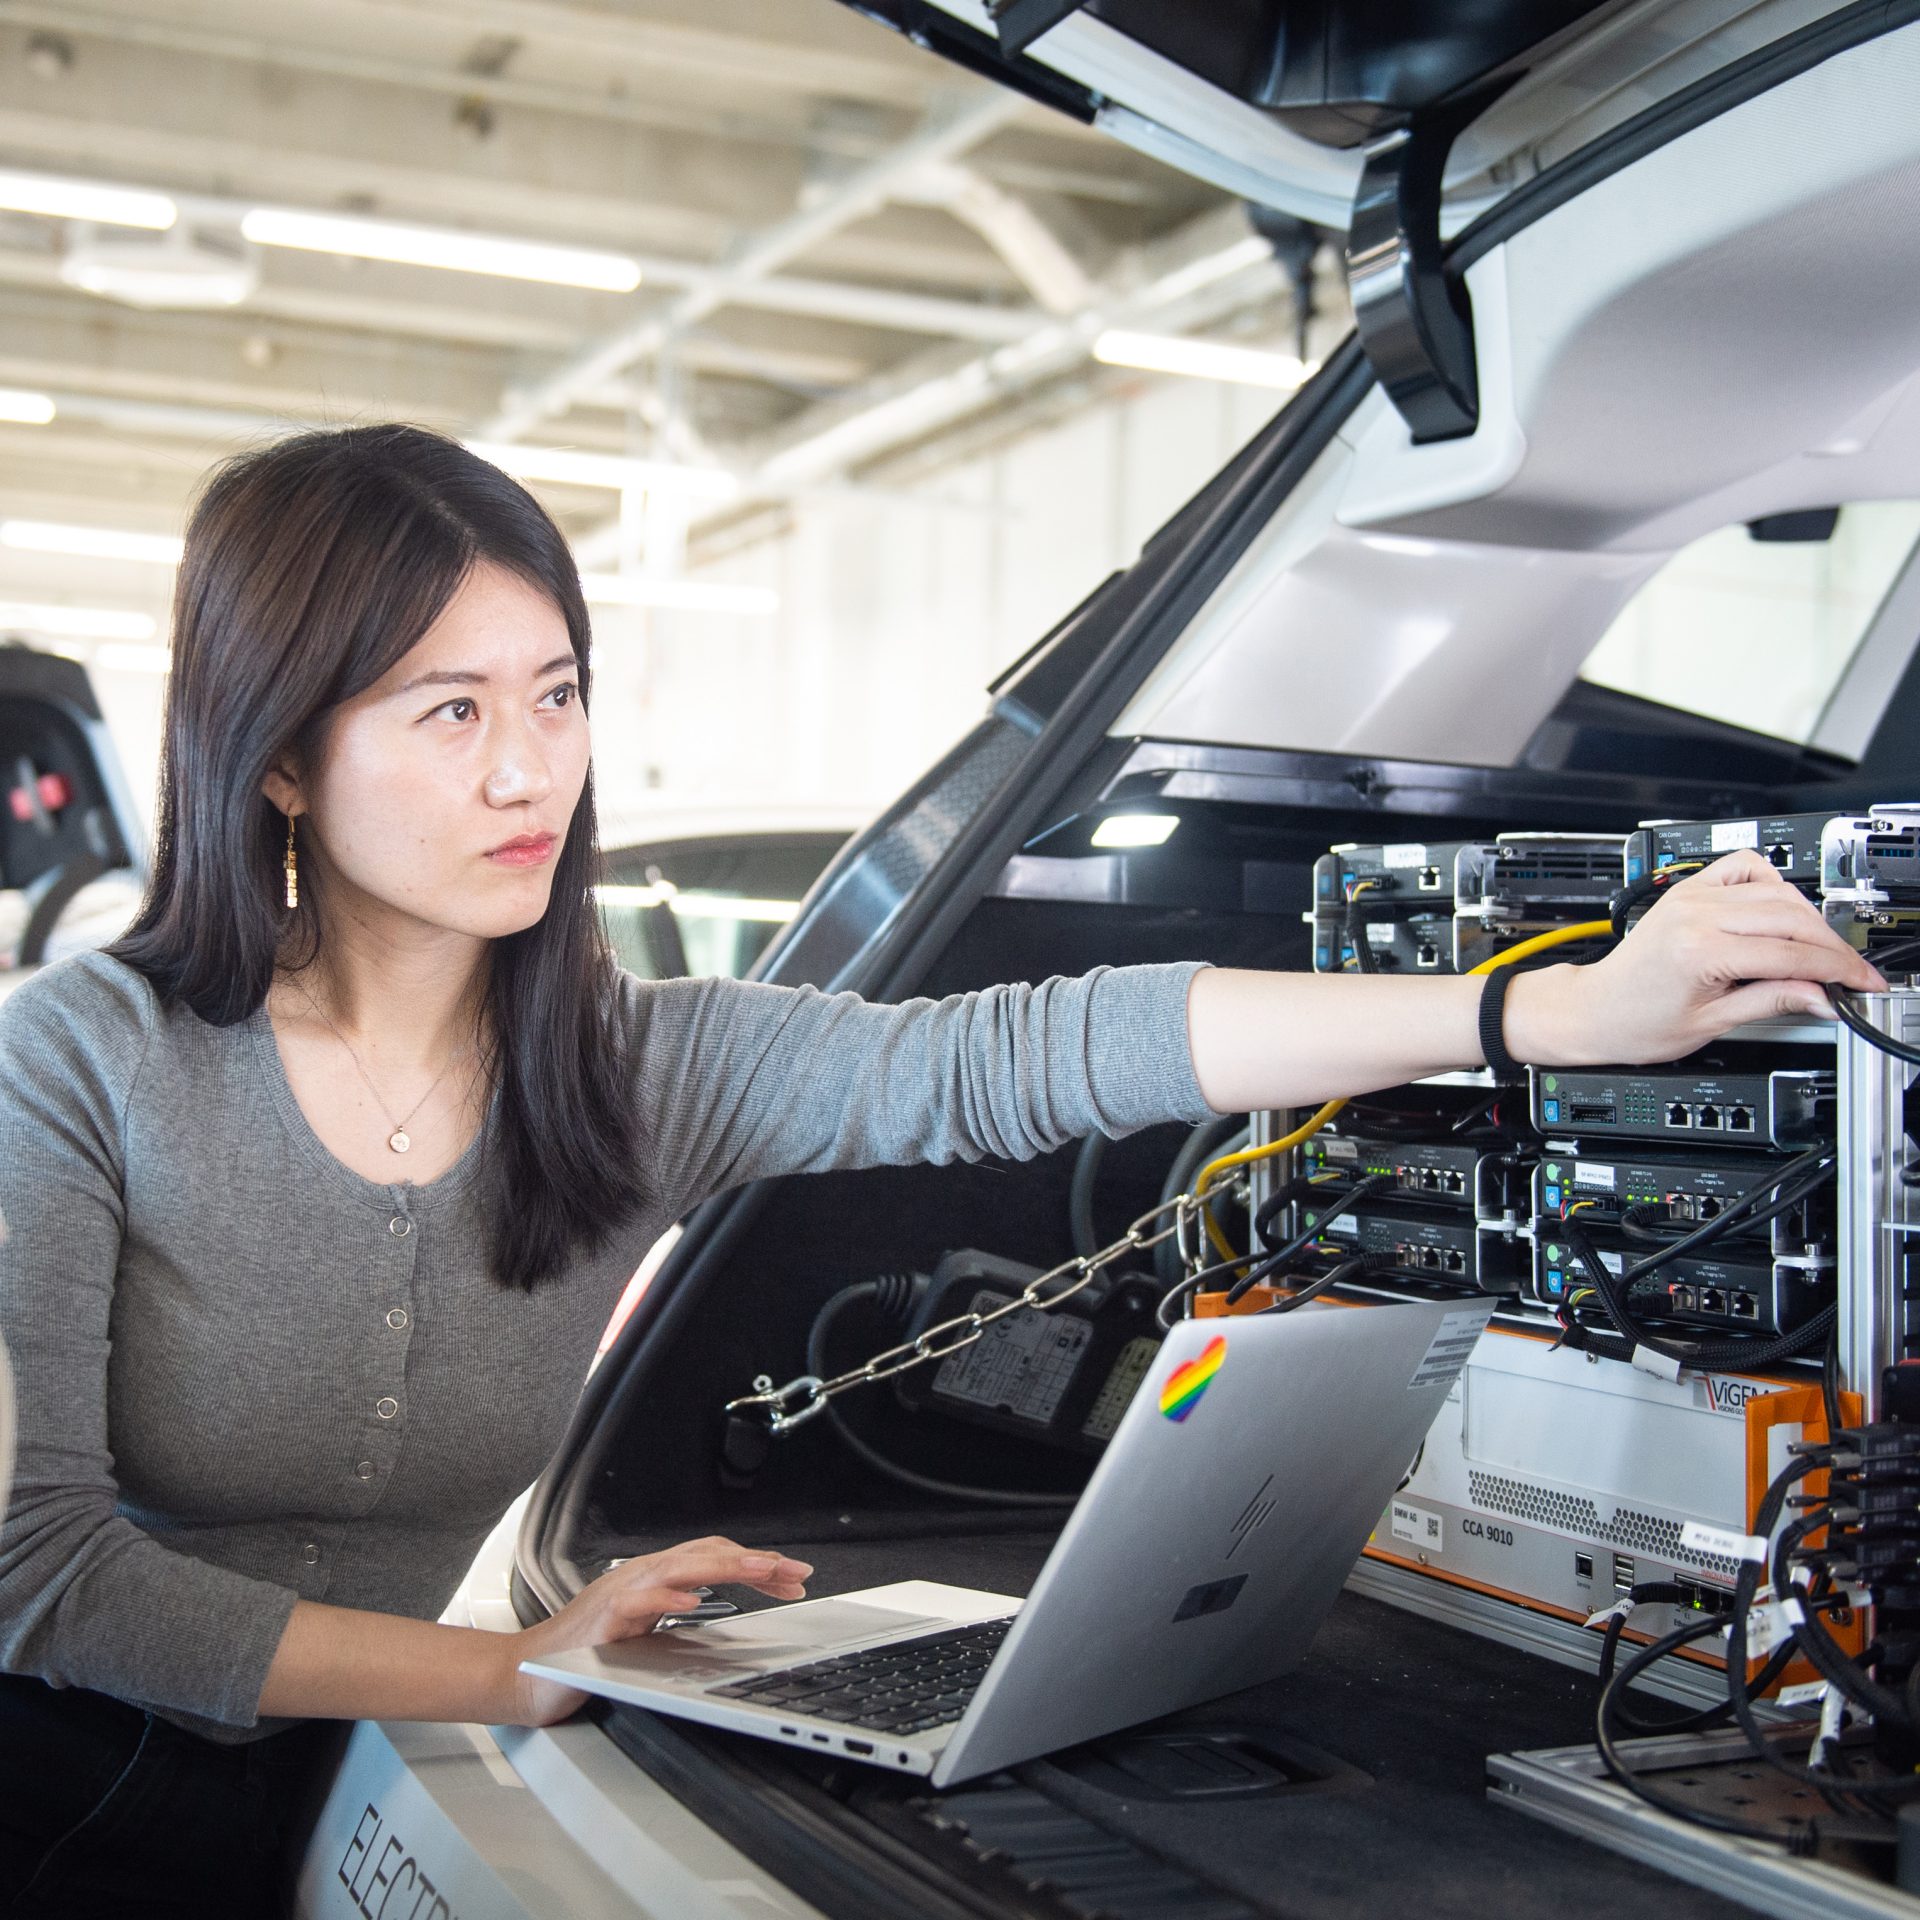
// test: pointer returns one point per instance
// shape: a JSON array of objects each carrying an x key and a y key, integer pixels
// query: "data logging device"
[{"x": 1063, "y": 1376}]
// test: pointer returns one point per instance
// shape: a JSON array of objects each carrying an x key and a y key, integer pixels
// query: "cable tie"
[
  {"x": 1723, "y": 1544},
  {"x": 1802, "y": 1693},
  {"x": 1662, "y": 1366},
  {"x": 1833, "y": 1720},
  {"x": 1619, "y": 1610},
  {"x": 1771, "y": 1624}
]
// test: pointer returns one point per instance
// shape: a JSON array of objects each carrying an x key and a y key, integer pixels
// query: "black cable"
[
  {"x": 1655, "y": 1593},
  {"x": 1292, "y": 1249},
  {"x": 1635, "y": 1226},
  {"x": 1830, "y": 1388},
  {"x": 876, "y": 1291},
  {"x": 1799, "y": 1838},
  {"x": 1830, "y": 1660},
  {"x": 1086, "y": 1171},
  {"x": 1281, "y": 1198},
  {"x": 1206, "y": 1142},
  {"x": 1739, "y": 1690},
  {"x": 1613, "y": 1291},
  {"x": 1806, "y": 1172},
  {"x": 1356, "y": 932},
  {"x": 1857, "y": 1022},
  {"x": 1746, "y": 1585},
  {"x": 1638, "y": 892},
  {"x": 1173, "y": 1305},
  {"x": 1888, "y": 958},
  {"x": 1752, "y": 1352},
  {"x": 1480, "y": 1110},
  {"x": 1346, "y": 1270}
]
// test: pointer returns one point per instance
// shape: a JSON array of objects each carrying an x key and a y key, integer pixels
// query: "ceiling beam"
[
  {"x": 1055, "y": 159},
  {"x": 951, "y": 129},
  {"x": 733, "y": 44},
  {"x": 1213, "y": 264}
]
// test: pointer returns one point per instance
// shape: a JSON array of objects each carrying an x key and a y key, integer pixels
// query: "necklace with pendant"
[{"x": 398, "y": 1138}]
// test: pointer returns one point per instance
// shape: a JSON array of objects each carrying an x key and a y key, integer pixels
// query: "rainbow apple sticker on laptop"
[{"x": 1186, "y": 1383}]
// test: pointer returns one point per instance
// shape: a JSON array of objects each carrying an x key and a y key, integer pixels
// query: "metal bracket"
[
  {"x": 1415, "y": 320},
  {"x": 1019, "y": 23}
]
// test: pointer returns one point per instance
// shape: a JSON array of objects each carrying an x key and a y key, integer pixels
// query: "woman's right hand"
[{"x": 628, "y": 1602}]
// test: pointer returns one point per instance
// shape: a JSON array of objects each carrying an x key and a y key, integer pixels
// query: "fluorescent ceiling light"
[
  {"x": 447, "y": 247},
  {"x": 120, "y": 656},
  {"x": 616, "y": 471},
  {"x": 1202, "y": 359},
  {"x": 94, "y": 543},
  {"x": 84, "y": 623},
  {"x": 684, "y": 596},
  {"x": 175, "y": 270},
  {"x": 1135, "y": 829},
  {"x": 30, "y": 409},
  {"x": 696, "y": 905},
  {"x": 85, "y": 200}
]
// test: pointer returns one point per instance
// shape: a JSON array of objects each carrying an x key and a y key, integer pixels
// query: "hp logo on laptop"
[{"x": 1255, "y": 1513}]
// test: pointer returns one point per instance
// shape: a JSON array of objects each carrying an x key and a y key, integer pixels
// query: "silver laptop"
[{"x": 1210, "y": 1543}]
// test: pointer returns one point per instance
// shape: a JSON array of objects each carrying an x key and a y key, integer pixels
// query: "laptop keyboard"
[{"x": 904, "y": 1687}]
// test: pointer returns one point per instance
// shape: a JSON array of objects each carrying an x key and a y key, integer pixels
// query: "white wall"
[{"x": 896, "y": 609}]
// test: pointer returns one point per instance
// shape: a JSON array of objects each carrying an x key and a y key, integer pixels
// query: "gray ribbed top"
[{"x": 248, "y": 1376}]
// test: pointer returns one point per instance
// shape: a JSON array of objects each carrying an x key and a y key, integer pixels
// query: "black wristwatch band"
[{"x": 1493, "y": 999}]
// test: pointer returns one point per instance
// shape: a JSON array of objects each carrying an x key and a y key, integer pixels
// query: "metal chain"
[{"x": 814, "y": 1393}]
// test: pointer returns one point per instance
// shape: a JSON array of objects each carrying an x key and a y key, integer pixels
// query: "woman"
[{"x": 324, "y": 1180}]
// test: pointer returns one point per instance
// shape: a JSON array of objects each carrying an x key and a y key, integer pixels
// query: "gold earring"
[{"x": 293, "y": 869}]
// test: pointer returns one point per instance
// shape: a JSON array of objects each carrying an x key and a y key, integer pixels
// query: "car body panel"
[
  {"x": 515, "y": 1823},
  {"x": 1567, "y": 75},
  {"x": 1503, "y": 556}
]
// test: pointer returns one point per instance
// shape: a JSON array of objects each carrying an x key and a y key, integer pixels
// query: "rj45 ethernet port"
[
  {"x": 1681, "y": 1298},
  {"x": 1431, "y": 880},
  {"x": 1744, "y": 1306},
  {"x": 1712, "y": 1300},
  {"x": 1678, "y": 1114},
  {"x": 1426, "y": 955},
  {"x": 1739, "y": 1119},
  {"x": 1707, "y": 1115}
]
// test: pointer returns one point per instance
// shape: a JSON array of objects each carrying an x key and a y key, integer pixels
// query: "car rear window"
[{"x": 1758, "y": 632}]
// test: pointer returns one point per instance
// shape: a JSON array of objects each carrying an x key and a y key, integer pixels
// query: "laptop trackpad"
[{"x": 770, "y": 1638}]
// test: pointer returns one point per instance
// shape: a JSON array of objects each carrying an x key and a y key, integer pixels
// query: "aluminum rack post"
[{"x": 1879, "y": 1227}]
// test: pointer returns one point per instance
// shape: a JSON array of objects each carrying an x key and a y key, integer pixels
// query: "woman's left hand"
[{"x": 1729, "y": 944}]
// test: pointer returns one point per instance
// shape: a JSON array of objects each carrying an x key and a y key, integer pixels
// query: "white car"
[
  {"x": 1630, "y": 281},
  {"x": 72, "y": 856}
]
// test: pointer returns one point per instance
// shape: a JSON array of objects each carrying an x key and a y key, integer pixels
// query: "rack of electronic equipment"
[{"x": 1702, "y": 1386}]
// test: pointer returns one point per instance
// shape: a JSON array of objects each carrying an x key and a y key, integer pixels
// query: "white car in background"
[{"x": 72, "y": 855}]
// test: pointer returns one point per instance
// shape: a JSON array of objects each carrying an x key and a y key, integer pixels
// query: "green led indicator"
[
  {"x": 1553, "y": 1170},
  {"x": 1552, "y": 1083},
  {"x": 1553, "y": 1253}
]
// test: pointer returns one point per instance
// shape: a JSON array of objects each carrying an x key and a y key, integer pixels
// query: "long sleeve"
[
  {"x": 86, "y": 1597},
  {"x": 740, "y": 1080}
]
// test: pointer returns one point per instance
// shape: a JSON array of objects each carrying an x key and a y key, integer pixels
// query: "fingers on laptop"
[{"x": 713, "y": 1562}]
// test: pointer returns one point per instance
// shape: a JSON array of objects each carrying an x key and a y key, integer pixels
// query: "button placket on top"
[{"x": 393, "y": 1341}]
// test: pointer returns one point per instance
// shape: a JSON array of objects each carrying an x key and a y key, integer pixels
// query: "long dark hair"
[{"x": 311, "y": 566}]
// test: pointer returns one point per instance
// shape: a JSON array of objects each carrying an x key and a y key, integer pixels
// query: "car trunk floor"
[{"x": 1355, "y": 1784}]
